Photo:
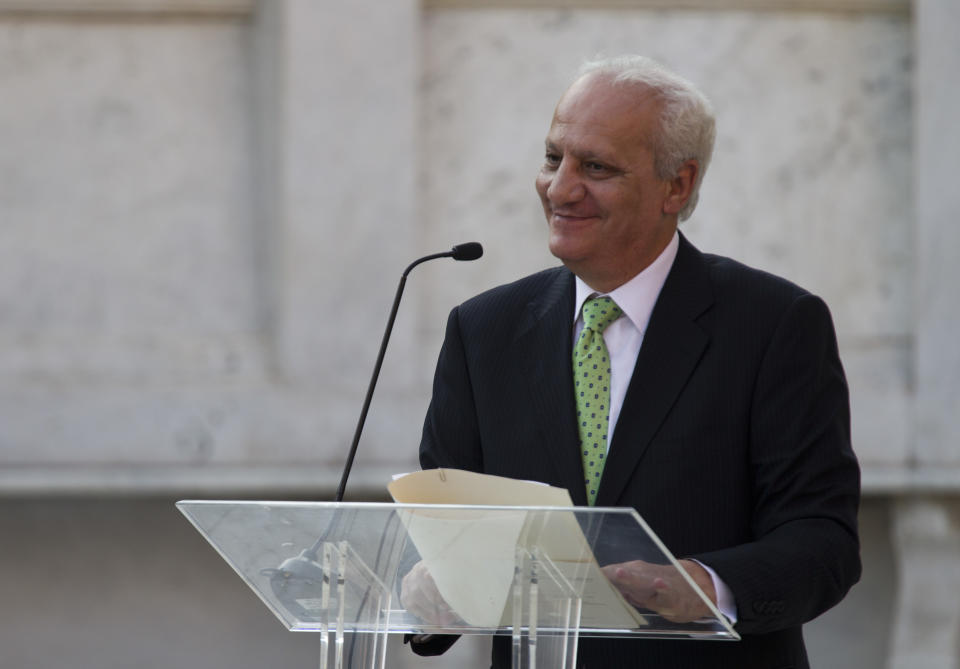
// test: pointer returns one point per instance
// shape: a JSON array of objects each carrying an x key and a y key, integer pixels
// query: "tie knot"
[{"x": 599, "y": 312}]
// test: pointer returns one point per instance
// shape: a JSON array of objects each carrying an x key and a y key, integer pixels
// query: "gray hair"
[{"x": 687, "y": 126}]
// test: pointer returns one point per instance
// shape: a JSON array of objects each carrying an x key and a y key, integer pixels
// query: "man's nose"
[{"x": 566, "y": 186}]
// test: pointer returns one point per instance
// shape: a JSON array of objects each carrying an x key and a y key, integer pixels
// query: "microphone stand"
[
  {"x": 299, "y": 575},
  {"x": 468, "y": 251}
]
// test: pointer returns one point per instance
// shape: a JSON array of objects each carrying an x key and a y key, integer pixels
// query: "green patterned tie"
[{"x": 591, "y": 381}]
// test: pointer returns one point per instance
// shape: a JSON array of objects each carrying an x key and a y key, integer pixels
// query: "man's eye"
[
  {"x": 552, "y": 159},
  {"x": 595, "y": 167}
]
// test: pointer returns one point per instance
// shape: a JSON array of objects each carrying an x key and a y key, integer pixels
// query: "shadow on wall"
[{"x": 116, "y": 583}]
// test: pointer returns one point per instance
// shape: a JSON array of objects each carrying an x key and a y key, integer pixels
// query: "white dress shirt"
[
  {"x": 636, "y": 298},
  {"x": 624, "y": 336}
]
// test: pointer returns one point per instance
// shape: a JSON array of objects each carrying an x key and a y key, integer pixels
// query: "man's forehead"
[
  {"x": 602, "y": 124},
  {"x": 597, "y": 90},
  {"x": 586, "y": 139},
  {"x": 600, "y": 106}
]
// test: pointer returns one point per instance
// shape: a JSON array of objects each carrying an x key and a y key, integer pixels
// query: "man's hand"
[
  {"x": 662, "y": 590},
  {"x": 419, "y": 596}
]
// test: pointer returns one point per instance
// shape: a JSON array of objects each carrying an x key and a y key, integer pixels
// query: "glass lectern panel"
[{"x": 485, "y": 569}]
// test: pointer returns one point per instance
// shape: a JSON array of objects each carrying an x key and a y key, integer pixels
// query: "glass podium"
[{"x": 532, "y": 573}]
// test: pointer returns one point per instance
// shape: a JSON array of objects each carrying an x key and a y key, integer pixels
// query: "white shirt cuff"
[{"x": 725, "y": 602}]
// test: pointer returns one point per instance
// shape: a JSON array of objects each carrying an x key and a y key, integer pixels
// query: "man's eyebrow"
[
  {"x": 580, "y": 154},
  {"x": 591, "y": 156},
  {"x": 586, "y": 155}
]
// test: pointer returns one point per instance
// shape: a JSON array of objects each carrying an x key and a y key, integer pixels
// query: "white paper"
[{"x": 470, "y": 553}]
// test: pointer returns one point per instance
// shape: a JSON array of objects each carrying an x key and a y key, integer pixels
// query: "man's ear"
[{"x": 680, "y": 187}]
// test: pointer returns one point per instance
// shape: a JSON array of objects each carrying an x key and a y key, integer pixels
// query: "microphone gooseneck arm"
[{"x": 467, "y": 251}]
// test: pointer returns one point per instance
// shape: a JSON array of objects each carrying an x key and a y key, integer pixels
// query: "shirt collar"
[{"x": 637, "y": 296}]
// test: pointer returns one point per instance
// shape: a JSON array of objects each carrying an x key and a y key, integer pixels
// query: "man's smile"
[{"x": 571, "y": 218}]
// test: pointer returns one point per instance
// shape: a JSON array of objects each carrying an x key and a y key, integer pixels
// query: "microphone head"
[{"x": 467, "y": 251}]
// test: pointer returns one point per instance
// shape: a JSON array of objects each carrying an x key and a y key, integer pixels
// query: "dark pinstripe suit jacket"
[{"x": 733, "y": 441}]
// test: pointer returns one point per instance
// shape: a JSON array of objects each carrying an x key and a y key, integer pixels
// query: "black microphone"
[{"x": 467, "y": 251}]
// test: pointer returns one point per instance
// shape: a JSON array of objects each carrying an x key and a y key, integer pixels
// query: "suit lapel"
[
  {"x": 544, "y": 344},
  {"x": 672, "y": 348}
]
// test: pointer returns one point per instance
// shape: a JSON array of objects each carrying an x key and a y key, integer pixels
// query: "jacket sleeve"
[
  {"x": 451, "y": 436},
  {"x": 806, "y": 483}
]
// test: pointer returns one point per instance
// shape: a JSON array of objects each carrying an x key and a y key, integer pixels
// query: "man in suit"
[{"x": 724, "y": 416}]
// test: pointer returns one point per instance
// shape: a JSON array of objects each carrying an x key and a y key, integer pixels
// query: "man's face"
[{"x": 604, "y": 204}]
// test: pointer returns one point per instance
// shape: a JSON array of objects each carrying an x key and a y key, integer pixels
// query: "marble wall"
[
  {"x": 204, "y": 228},
  {"x": 205, "y": 215}
]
